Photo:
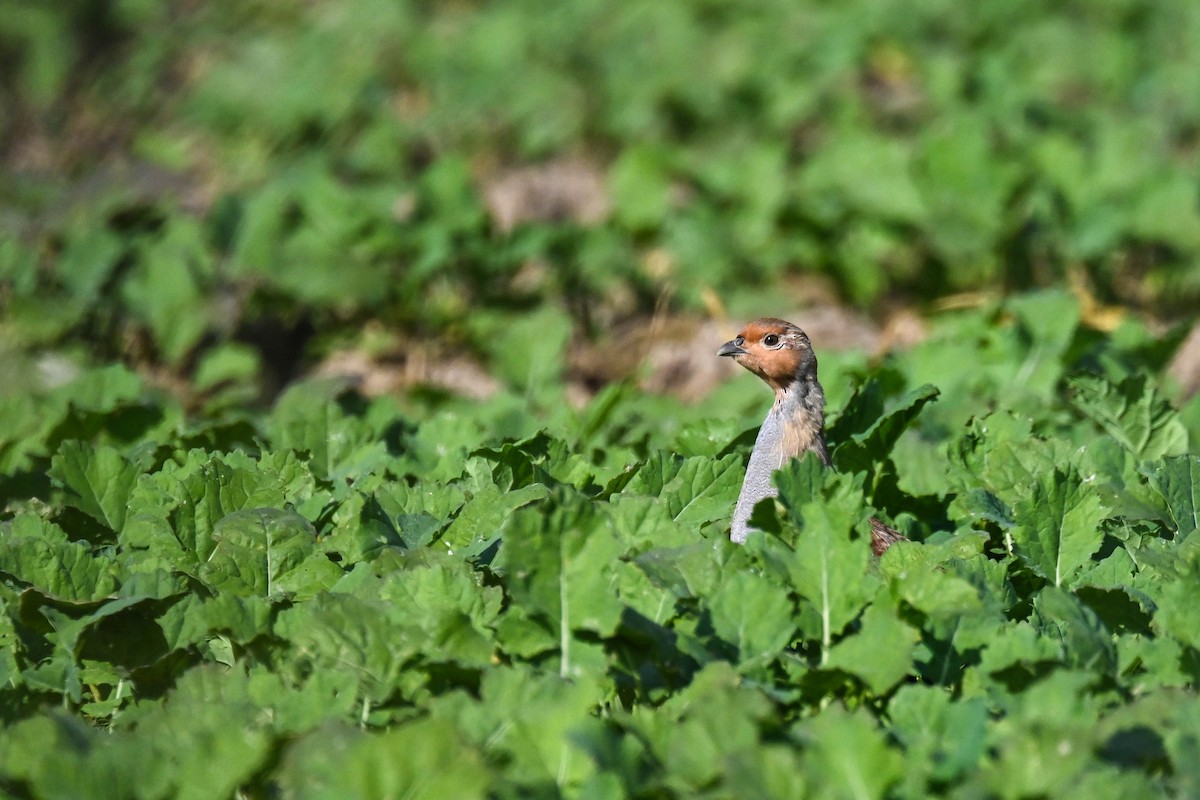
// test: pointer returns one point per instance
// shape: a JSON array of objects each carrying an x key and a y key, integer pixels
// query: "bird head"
[{"x": 774, "y": 350}]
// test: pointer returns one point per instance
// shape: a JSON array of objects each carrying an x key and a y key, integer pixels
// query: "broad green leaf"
[
  {"x": 997, "y": 459},
  {"x": 1058, "y": 526},
  {"x": 59, "y": 756},
  {"x": 211, "y": 487},
  {"x": 1018, "y": 643},
  {"x": 1086, "y": 643},
  {"x": 640, "y": 182},
  {"x": 443, "y": 603},
  {"x": 194, "y": 619},
  {"x": 525, "y": 718},
  {"x": 61, "y": 672},
  {"x": 526, "y": 350},
  {"x": 644, "y": 523},
  {"x": 10, "y": 645},
  {"x": 1132, "y": 412},
  {"x": 91, "y": 254},
  {"x": 343, "y": 632},
  {"x": 227, "y": 364},
  {"x": 847, "y": 756},
  {"x": 339, "y": 447},
  {"x": 1177, "y": 614},
  {"x": 37, "y": 553},
  {"x": 685, "y": 571},
  {"x": 437, "y": 450},
  {"x": 654, "y": 602},
  {"x": 827, "y": 567},
  {"x": 832, "y": 182},
  {"x": 1048, "y": 738},
  {"x": 1177, "y": 480},
  {"x": 957, "y": 161},
  {"x": 266, "y": 552},
  {"x": 703, "y": 733},
  {"x": 420, "y": 760},
  {"x": 865, "y": 439},
  {"x": 557, "y": 568},
  {"x": 103, "y": 389},
  {"x": 209, "y": 719},
  {"x": 1114, "y": 571},
  {"x": 1154, "y": 662},
  {"x": 522, "y": 633},
  {"x": 923, "y": 575},
  {"x": 162, "y": 289},
  {"x": 946, "y": 738},
  {"x": 880, "y": 652},
  {"x": 297, "y": 706},
  {"x": 801, "y": 480},
  {"x": 755, "y": 616},
  {"x": 486, "y": 516},
  {"x": 1047, "y": 320},
  {"x": 695, "y": 490},
  {"x": 522, "y": 463},
  {"x": 99, "y": 479}
]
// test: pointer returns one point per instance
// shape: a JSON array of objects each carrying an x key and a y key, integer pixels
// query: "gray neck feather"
[{"x": 794, "y": 425}]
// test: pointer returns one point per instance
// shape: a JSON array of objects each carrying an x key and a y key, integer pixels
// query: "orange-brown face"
[{"x": 774, "y": 350}]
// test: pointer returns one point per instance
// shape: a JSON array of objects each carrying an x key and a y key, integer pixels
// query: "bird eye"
[{"x": 770, "y": 340}]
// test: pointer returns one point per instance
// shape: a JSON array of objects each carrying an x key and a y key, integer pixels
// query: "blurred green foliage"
[{"x": 321, "y": 162}]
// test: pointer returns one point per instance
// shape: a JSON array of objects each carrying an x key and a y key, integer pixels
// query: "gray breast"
[{"x": 765, "y": 459}]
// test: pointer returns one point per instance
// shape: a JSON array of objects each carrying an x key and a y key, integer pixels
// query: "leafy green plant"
[
  {"x": 333, "y": 597},
  {"x": 220, "y": 576}
]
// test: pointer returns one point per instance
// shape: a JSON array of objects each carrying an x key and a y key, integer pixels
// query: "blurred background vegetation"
[{"x": 224, "y": 194}]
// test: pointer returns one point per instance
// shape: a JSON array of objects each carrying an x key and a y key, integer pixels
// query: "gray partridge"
[{"x": 781, "y": 354}]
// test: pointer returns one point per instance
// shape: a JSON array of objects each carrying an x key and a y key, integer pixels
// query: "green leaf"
[
  {"x": 163, "y": 291},
  {"x": 485, "y": 517},
  {"x": 557, "y": 568},
  {"x": 1020, "y": 643},
  {"x": 641, "y": 186},
  {"x": 827, "y": 567},
  {"x": 61, "y": 672},
  {"x": 755, "y": 616},
  {"x": 710, "y": 734},
  {"x": 924, "y": 576},
  {"x": 525, "y": 718},
  {"x": 267, "y": 552},
  {"x": 945, "y": 737},
  {"x": 99, "y": 479},
  {"x": 1132, "y": 412},
  {"x": 847, "y": 755},
  {"x": 1085, "y": 642},
  {"x": 1177, "y": 614},
  {"x": 832, "y": 180},
  {"x": 1177, "y": 480},
  {"x": 207, "y": 488},
  {"x": 195, "y": 619},
  {"x": 526, "y": 350},
  {"x": 209, "y": 719},
  {"x": 880, "y": 652},
  {"x": 340, "y": 447},
  {"x": 440, "y": 601},
  {"x": 695, "y": 490},
  {"x": 37, "y": 553},
  {"x": 103, "y": 389},
  {"x": 1058, "y": 525},
  {"x": 346, "y": 633},
  {"x": 227, "y": 362},
  {"x": 860, "y": 449},
  {"x": 420, "y": 760}
]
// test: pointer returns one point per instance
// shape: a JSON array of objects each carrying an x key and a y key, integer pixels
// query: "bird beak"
[{"x": 730, "y": 349}]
